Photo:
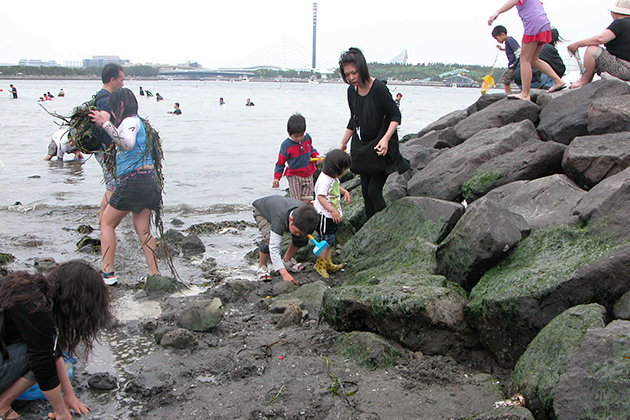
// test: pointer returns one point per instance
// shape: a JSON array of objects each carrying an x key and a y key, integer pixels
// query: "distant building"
[
  {"x": 101, "y": 60},
  {"x": 73, "y": 64},
  {"x": 37, "y": 63},
  {"x": 460, "y": 81}
]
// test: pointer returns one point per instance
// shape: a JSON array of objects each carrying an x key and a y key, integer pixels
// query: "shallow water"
[{"x": 213, "y": 154}]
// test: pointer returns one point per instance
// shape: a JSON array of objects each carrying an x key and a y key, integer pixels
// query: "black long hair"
[
  {"x": 125, "y": 97},
  {"x": 354, "y": 56},
  {"x": 73, "y": 291},
  {"x": 336, "y": 162}
]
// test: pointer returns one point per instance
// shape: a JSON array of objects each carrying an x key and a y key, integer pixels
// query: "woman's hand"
[
  {"x": 74, "y": 404},
  {"x": 98, "y": 118},
  {"x": 573, "y": 48},
  {"x": 382, "y": 147}
]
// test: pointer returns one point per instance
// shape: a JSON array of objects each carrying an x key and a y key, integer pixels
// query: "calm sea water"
[{"x": 214, "y": 155}]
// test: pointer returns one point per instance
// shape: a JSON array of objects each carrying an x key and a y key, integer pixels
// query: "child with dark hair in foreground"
[
  {"x": 328, "y": 191},
  {"x": 275, "y": 215}
]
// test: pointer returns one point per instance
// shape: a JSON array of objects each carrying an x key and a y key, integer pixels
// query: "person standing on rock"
[
  {"x": 615, "y": 58},
  {"x": 537, "y": 33},
  {"x": 374, "y": 118},
  {"x": 43, "y": 316},
  {"x": 138, "y": 189}
]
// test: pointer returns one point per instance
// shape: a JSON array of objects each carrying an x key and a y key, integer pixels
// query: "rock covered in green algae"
[
  {"x": 6, "y": 259},
  {"x": 538, "y": 370},
  {"x": 370, "y": 350},
  {"x": 392, "y": 289},
  {"x": 550, "y": 271},
  {"x": 596, "y": 384},
  {"x": 160, "y": 286},
  {"x": 202, "y": 315}
]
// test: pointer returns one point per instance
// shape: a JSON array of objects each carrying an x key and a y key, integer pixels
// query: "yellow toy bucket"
[{"x": 488, "y": 83}]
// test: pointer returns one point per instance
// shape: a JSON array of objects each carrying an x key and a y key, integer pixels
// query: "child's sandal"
[{"x": 294, "y": 266}]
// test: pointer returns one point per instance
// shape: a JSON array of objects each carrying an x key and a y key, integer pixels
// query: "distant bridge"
[{"x": 231, "y": 73}]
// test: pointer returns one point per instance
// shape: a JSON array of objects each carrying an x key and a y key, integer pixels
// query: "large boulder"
[
  {"x": 444, "y": 176},
  {"x": 606, "y": 205},
  {"x": 542, "y": 202},
  {"x": 419, "y": 155},
  {"x": 431, "y": 140},
  {"x": 566, "y": 117},
  {"x": 506, "y": 413},
  {"x": 537, "y": 372},
  {"x": 485, "y": 101},
  {"x": 590, "y": 159},
  {"x": 596, "y": 384},
  {"x": 481, "y": 238},
  {"x": 446, "y": 121},
  {"x": 498, "y": 114},
  {"x": 609, "y": 115},
  {"x": 531, "y": 160},
  {"x": 392, "y": 289},
  {"x": 550, "y": 271}
]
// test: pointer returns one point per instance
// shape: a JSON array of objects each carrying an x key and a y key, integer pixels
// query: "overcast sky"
[{"x": 223, "y": 33}]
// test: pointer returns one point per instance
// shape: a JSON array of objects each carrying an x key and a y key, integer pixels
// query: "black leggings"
[{"x": 372, "y": 189}]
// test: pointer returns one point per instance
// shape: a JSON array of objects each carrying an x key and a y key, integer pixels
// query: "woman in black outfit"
[
  {"x": 372, "y": 128},
  {"x": 41, "y": 317}
]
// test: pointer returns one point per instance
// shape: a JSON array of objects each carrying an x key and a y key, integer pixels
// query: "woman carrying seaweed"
[{"x": 139, "y": 187}]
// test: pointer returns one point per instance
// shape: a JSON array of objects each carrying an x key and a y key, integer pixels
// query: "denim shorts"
[
  {"x": 136, "y": 191},
  {"x": 16, "y": 367}
]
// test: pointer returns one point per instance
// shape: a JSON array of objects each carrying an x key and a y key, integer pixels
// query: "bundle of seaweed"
[
  {"x": 87, "y": 136},
  {"x": 154, "y": 148}
]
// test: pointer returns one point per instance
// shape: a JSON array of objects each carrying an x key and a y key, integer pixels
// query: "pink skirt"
[{"x": 541, "y": 38}]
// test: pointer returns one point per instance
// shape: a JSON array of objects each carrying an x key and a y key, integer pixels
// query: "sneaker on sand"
[{"x": 109, "y": 278}]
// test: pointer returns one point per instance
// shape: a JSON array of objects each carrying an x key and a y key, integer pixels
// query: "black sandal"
[{"x": 5, "y": 415}]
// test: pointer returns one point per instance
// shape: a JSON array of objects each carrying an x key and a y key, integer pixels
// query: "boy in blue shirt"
[{"x": 512, "y": 50}]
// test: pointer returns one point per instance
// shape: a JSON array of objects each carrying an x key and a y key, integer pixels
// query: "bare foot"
[
  {"x": 519, "y": 96},
  {"x": 557, "y": 88}
]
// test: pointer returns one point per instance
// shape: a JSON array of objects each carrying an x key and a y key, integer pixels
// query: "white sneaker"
[{"x": 110, "y": 278}]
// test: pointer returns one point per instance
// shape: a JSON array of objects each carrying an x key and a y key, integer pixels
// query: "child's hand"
[
  {"x": 500, "y": 48},
  {"x": 287, "y": 277},
  {"x": 347, "y": 197},
  {"x": 275, "y": 184},
  {"x": 336, "y": 216}
]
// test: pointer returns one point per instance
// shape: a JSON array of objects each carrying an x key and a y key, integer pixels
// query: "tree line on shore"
[{"x": 403, "y": 72}]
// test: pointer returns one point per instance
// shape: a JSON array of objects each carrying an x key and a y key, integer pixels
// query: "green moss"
[
  {"x": 368, "y": 350},
  {"x": 543, "y": 261},
  {"x": 6, "y": 259},
  {"x": 479, "y": 184},
  {"x": 548, "y": 355}
]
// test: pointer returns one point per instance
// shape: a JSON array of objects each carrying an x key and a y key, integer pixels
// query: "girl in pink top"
[{"x": 537, "y": 33}]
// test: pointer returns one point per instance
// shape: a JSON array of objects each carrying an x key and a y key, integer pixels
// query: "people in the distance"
[
  {"x": 512, "y": 51},
  {"x": 60, "y": 144},
  {"x": 549, "y": 55},
  {"x": 295, "y": 154},
  {"x": 176, "y": 111},
  {"x": 328, "y": 192},
  {"x": 614, "y": 59},
  {"x": 158, "y": 97},
  {"x": 398, "y": 98},
  {"x": 13, "y": 90},
  {"x": 221, "y": 101},
  {"x": 275, "y": 215},
  {"x": 138, "y": 190},
  {"x": 141, "y": 91},
  {"x": 43, "y": 316},
  {"x": 374, "y": 118},
  {"x": 61, "y": 93},
  {"x": 537, "y": 30},
  {"x": 249, "y": 103}
]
